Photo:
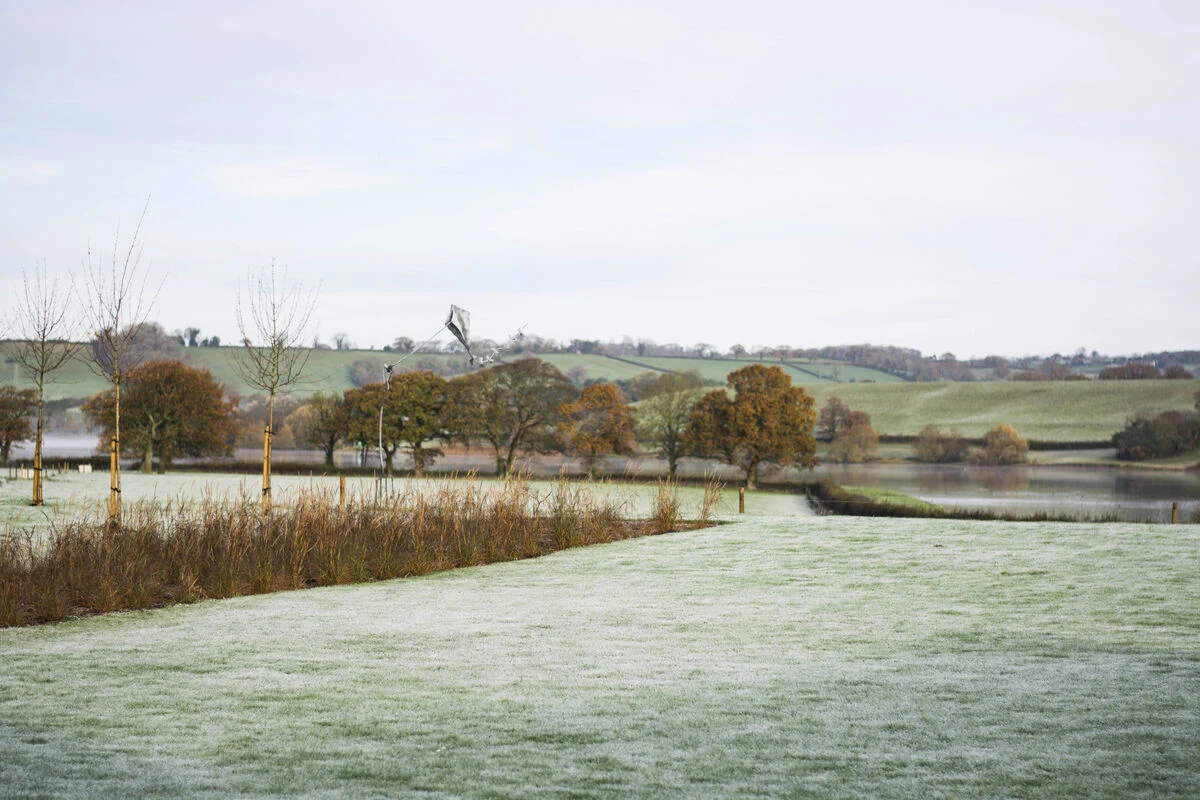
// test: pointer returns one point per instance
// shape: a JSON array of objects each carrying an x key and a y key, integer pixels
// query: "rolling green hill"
[{"x": 1070, "y": 411}]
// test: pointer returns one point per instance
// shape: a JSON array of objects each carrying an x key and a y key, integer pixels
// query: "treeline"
[{"x": 172, "y": 410}]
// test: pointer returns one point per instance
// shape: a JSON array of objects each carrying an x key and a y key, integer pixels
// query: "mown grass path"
[{"x": 771, "y": 657}]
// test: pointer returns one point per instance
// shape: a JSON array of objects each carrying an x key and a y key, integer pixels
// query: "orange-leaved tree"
[
  {"x": 1002, "y": 445},
  {"x": 856, "y": 441},
  {"x": 597, "y": 424},
  {"x": 168, "y": 410},
  {"x": 768, "y": 420}
]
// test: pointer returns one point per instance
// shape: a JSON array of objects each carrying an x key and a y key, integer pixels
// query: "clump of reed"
[{"x": 184, "y": 551}]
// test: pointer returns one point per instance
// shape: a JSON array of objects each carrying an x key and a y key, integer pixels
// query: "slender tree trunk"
[
  {"x": 752, "y": 475},
  {"x": 37, "y": 450},
  {"x": 266, "y": 489},
  {"x": 114, "y": 458}
]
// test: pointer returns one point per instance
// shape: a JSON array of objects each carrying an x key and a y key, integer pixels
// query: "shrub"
[
  {"x": 935, "y": 447},
  {"x": 1002, "y": 445},
  {"x": 1170, "y": 433},
  {"x": 856, "y": 441}
]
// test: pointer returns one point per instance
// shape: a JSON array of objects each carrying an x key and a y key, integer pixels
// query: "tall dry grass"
[{"x": 216, "y": 547}]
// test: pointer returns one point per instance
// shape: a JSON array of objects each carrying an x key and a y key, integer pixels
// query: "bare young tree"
[
  {"x": 45, "y": 331},
  {"x": 273, "y": 317},
  {"x": 116, "y": 307}
]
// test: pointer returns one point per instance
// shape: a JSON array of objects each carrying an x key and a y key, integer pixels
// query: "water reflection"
[{"x": 1128, "y": 494}]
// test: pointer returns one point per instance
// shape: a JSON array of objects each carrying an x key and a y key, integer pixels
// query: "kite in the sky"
[{"x": 458, "y": 322}]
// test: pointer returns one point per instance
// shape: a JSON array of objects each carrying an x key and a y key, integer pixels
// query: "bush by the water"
[
  {"x": 1164, "y": 435},
  {"x": 935, "y": 447},
  {"x": 1002, "y": 445}
]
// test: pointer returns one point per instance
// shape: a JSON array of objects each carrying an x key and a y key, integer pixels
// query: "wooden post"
[
  {"x": 1174, "y": 512},
  {"x": 266, "y": 487},
  {"x": 341, "y": 491},
  {"x": 741, "y": 499},
  {"x": 114, "y": 483}
]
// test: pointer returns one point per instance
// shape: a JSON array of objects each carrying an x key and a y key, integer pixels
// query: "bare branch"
[
  {"x": 43, "y": 326},
  {"x": 273, "y": 320},
  {"x": 117, "y": 304}
]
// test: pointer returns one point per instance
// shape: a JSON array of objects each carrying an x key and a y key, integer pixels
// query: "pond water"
[{"x": 1135, "y": 495}]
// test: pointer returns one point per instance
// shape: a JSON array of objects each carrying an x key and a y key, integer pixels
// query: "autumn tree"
[
  {"x": 171, "y": 410},
  {"x": 1002, "y": 445},
  {"x": 251, "y": 419},
  {"x": 833, "y": 417},
  {"x": 856, "y": 441},
  {"x": 512, "y": 407},
  {"x": 707, "y": 431},
  {"x": 273, "y": 318},
  {"x": 663, "y": 412},
  {"x": 321, "y": 423},
  {"x": 935, "y": 447},
  {"x": 768, "y": 420},
  {"x": 46, "y": 332},
  {"x": 118, "y": 301},
  {"x": 16, "y": 407},
  {"x": 598, "y": 423}
]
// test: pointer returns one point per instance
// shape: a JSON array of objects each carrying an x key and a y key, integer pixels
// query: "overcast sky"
[{"x": 1013, "y": 177}]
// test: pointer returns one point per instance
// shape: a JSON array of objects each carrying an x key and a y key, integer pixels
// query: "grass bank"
[
  {"x": 824, "y": 657},
  {"x": 828, "y": 497}
]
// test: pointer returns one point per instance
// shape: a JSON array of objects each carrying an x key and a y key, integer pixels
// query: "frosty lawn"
[{"x": 769, "y": 657}]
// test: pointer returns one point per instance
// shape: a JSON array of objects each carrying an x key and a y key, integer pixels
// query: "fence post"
[
  {"x": 1174, "y": 512},
  {"x": 741, "y": 499},
  {"x": 341, "y": 491}
]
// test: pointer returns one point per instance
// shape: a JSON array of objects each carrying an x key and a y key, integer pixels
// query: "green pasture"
[
  {"x": 592, "y": 367},
  {"x": 1065, "y": 411},
  {"x": 769, "y": 657},
  {"x": 837, "y": 371},
  {"x": 891, "y": 497}
]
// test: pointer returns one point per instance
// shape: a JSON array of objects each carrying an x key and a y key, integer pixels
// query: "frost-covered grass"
[
  {"x": 69, "y": 495},
  {"x": 187, "y": 550},
  {"x": 823, "y": 656}
]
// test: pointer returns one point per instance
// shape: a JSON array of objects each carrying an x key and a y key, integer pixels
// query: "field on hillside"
[
  {"x": 765, "y": 658},
  {"x": 593, "y": 367},
  {"x": 1075, "y": 411}
]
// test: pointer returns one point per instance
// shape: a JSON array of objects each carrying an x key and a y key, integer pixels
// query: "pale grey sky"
[{"x": 1009, "y": 177}]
